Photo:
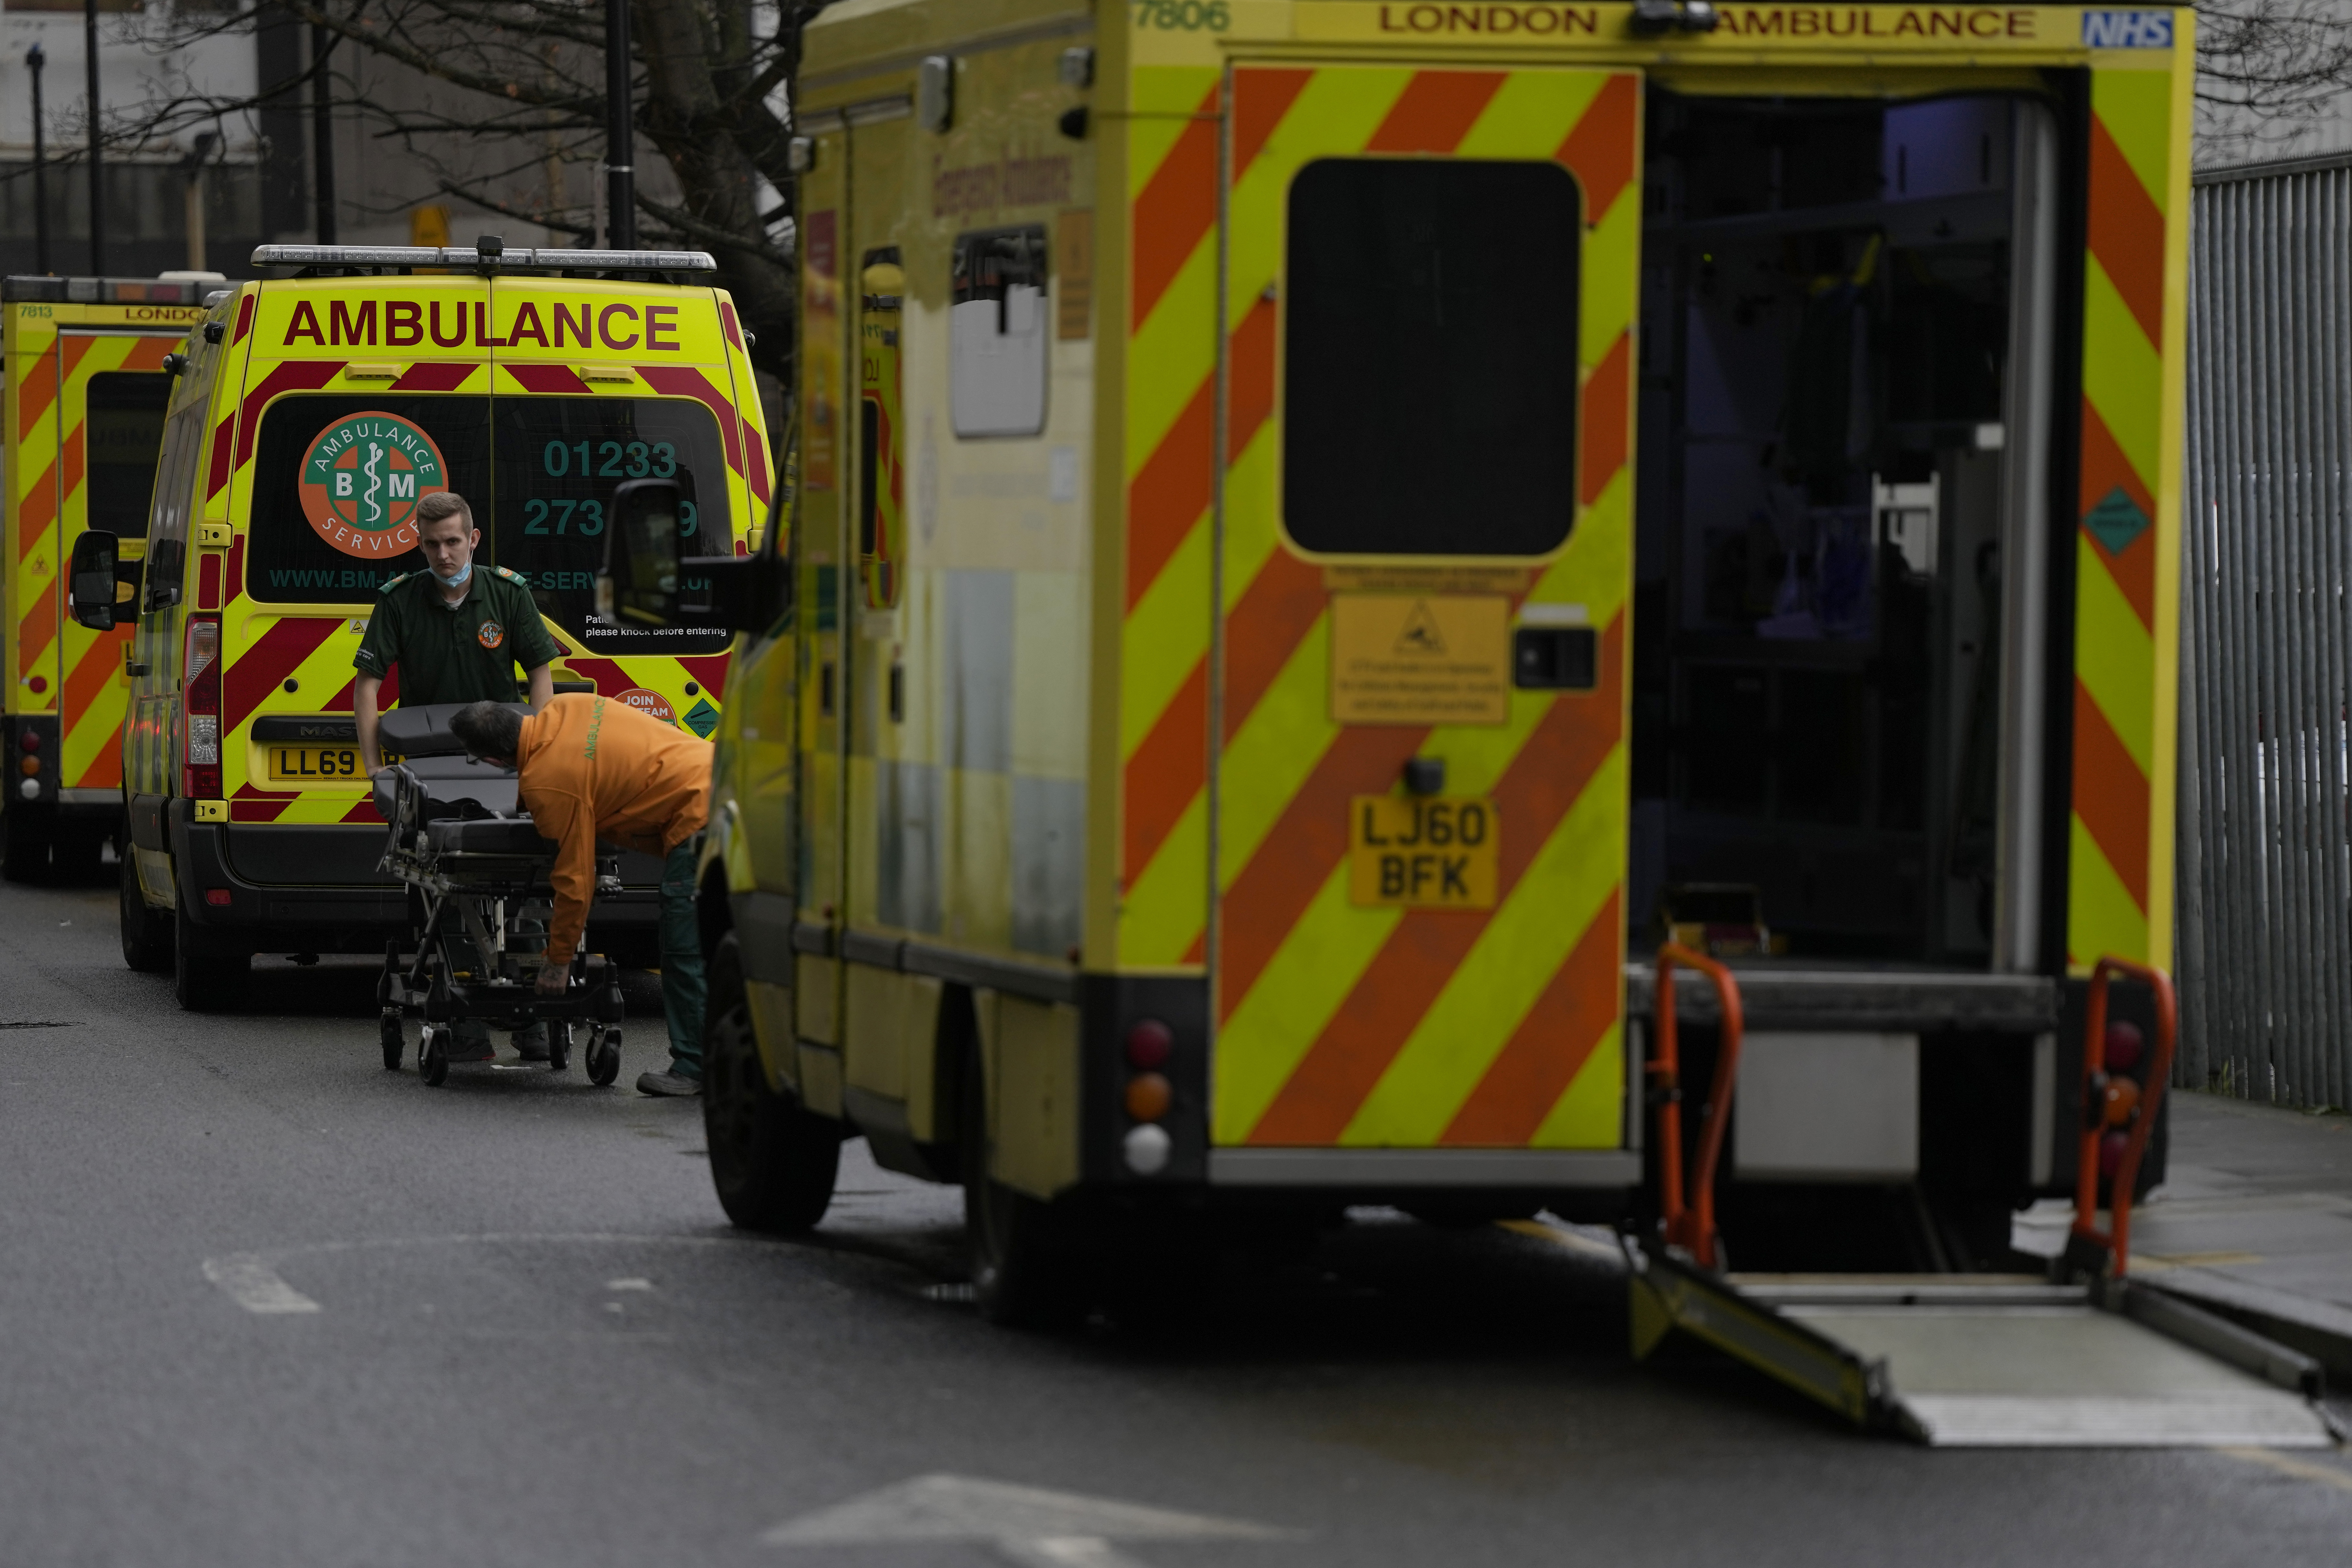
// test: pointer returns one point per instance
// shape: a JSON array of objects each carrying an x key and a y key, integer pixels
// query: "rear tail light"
[
  {"x": 1149, "y": 1045},
  {"x": 200, "y": 698},
  {"x": 29, "y": 740},
  {"x": 1150, "y": 1096},
  {"x": 218, "y": 897},
  {"x": 1147, "y": 1149}
]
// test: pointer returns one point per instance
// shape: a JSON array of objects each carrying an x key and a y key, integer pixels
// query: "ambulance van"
[
  {"x": 82, "y": 388},
  {"x": 307, "y": 417},
  {"x": 1330, "y": 529}
]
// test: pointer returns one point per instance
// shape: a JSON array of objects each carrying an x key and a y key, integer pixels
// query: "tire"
[
  {"x": 432, "y": 1060},
  {"x": 388, "y": 1032},
  {"x": 559, "y": 1046},
  {"x": 603, "y": 1060},
  {"x": 773, "y": 1163},
  {"x": 146, "y": 933},
  {"x": 207, "y": 978},
  {"x": 1023, "y": 1272}
]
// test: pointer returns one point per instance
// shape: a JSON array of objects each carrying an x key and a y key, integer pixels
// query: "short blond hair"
[{"x": 443, "y": 504}]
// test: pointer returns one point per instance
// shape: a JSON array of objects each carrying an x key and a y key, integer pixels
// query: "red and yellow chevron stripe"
[
  {"x": 2119, "y": 894},
  {"x": 1341, "y": 1024}
]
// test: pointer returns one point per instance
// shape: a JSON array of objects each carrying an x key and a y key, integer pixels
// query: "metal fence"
[{"x": 2265, "y": 931}]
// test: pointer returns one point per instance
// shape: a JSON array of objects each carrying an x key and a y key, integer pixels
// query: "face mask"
[{"x": 456, "y": 581}]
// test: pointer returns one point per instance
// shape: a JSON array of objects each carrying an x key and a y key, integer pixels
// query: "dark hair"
[
  {"x": 488, "y": 729},
  {"x": 443, "y": 504}
]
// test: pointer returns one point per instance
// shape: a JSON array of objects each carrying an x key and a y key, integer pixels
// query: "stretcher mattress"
[{"x": 489, "y": 836}]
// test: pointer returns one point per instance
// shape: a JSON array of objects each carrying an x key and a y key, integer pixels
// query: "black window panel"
[
  {"x": 121, "y": 436},
  {"x": 558, "y": 460},
  {"x": 988, "y": 263},
  {"x": 287, "y": 561},
  {"x": 1430, "y": 357}
]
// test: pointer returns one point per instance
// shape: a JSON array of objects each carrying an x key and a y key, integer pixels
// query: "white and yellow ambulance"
[{"x": 1330, "y": 527}]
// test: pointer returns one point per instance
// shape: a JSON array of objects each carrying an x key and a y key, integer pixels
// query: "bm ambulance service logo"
[{"x": 362, "y": 480}]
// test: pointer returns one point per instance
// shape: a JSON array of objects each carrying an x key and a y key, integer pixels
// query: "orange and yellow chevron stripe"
[
  {"x": 63, "y": 668},
  {"x": 2119, "y": 893},
  {"x": 1337, "y": 1023}
]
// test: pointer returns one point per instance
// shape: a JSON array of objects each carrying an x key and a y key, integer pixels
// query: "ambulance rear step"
[
  {"x": 2088, "y": 1359},
  {"x": 1994, "y": 1361}
]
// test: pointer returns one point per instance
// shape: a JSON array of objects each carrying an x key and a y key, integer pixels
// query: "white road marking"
[
  {"x": 255, "y": 1285},
  {"x": 1027, "y": 1525},
  {"x": 2302, "y": 1469},
  {"x": 631, "y": 1284},
  {"x": 1065, "y": 1552}
]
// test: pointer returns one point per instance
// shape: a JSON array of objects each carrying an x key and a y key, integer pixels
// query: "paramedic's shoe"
[
  {"x": 469, "y": 1041},
  {"x": 530, "y": 1044},
  {"x": 669, "y": 1083}
]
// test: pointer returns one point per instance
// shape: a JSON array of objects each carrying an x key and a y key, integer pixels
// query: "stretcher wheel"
[
  {"x": 559, "y": 1046},
  {"x": 604, "y": 1058},
  {"x": 433, "y": 1061},
  {"x": 395, "y": 1044}
]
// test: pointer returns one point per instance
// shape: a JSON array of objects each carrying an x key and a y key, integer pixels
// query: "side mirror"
[
  {"x": 91, "y": 591},
  {"x": 639, "y": 583}
]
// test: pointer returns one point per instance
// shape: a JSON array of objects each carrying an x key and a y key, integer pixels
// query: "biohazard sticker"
[
  {"x": 650, "y": 703},
  {"x": 491, "y": 635},
  {"x": 362, "y": 480}
]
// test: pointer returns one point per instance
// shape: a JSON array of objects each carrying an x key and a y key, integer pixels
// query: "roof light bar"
[
  {"x": 181, "y": 290},
  {"x": 485, "y": 257}
]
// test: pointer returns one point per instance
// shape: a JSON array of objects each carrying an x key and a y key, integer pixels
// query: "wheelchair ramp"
[{"x": 1999, "y": 1360}]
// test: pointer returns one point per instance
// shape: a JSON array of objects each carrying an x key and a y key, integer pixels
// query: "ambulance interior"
[{"x": 1821, "y": 506}]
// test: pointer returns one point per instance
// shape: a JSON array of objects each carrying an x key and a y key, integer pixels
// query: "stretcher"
[{"x": 479, "y": 896}]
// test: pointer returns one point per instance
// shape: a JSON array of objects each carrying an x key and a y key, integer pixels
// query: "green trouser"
[{"x": 684, "y": 990}]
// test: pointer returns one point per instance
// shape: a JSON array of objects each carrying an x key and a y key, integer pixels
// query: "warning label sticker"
[{"x": 1429, "y": 658}]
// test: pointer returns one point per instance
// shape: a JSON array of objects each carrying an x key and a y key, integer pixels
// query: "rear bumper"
[
  {"x": 1380, "y": 1171},
  {"x": 302, "y": 888}
]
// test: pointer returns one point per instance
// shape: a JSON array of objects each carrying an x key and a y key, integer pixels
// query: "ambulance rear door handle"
[{"x": 1555, "y": 658}]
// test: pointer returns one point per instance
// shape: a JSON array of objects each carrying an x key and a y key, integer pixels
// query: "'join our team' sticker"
[{"x": 362, "y": 480}]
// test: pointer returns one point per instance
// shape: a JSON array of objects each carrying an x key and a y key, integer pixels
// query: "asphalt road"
[{"x": 504, "y": 1322}]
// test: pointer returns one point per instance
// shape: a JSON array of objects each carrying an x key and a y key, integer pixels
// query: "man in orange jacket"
[{"x": 589, "y": 769}]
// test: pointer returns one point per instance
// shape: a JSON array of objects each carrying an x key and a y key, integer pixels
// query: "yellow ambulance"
[
  {"x": 82, "y": 388},
  {"x": 307, "y": 417},
  {"x": 1329, "y": 528}
]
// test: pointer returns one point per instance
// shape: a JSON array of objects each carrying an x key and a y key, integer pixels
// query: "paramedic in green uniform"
[{"x": 456, "y": 635}]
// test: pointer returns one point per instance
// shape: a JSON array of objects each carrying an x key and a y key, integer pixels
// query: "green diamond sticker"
[
  {"x": 702, "y": 719},
  {"x": 2116, "y": 520}
]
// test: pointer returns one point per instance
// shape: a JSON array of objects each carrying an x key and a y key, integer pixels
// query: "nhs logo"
[{"x": 2127, "y": 29}]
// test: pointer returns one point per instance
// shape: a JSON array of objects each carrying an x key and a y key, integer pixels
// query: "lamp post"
[
  {"x": 193, "y": 166},
  {"x": 322, "y": 133},
  {"x": 620, "y": 137},
  {"x": 97, "y": 161},
  {"x": 35, "y": 58}
]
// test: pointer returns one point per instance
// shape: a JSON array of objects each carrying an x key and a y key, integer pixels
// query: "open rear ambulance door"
[{"x": 1418, "y": 711}]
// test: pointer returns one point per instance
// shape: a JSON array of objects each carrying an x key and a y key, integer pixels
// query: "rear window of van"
[{"x": 337, "y": 477}]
